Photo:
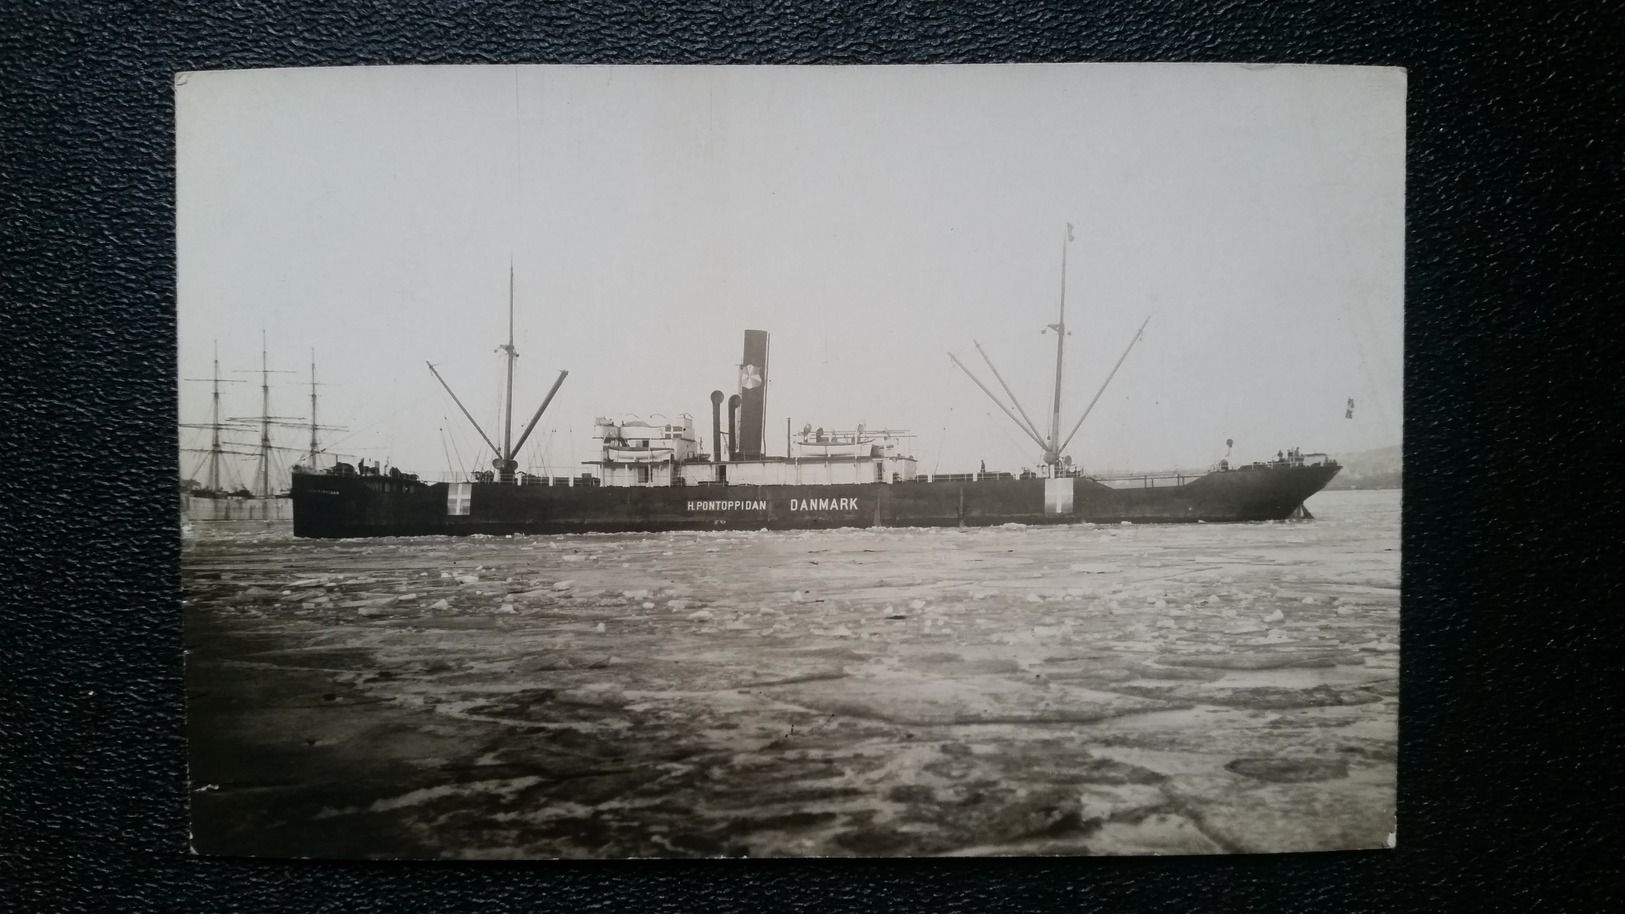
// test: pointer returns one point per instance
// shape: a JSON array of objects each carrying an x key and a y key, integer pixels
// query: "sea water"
[{"x": 1114, "y": 689}]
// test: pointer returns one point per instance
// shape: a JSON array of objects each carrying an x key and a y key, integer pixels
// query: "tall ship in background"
[
  {"x": 652, "y": 477},
  {"x": 215, "y": 491}
]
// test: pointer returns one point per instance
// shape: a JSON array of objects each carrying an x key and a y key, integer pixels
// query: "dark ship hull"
[{"x": 347, "y": 506}]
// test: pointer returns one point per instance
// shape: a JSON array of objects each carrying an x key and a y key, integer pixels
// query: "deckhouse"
[{"x": 635, "y": 452}]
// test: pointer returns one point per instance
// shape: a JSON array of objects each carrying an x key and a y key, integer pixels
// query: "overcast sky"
[{"x": 872, "y": 219}]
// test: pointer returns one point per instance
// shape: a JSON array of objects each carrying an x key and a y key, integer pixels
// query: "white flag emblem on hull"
[{"x": 1057, "y": 496}]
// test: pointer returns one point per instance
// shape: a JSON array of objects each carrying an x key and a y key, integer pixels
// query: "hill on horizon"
[{"x": 1370, "y": 469}]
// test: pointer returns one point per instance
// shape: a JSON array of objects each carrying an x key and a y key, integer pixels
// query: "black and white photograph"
[{"x": 790, "y": 461}]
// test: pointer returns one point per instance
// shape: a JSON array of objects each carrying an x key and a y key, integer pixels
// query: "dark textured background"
[{"x": 1510, "y": 787}]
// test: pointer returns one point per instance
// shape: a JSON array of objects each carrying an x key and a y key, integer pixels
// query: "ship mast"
[
  {"x": 1052, "y": 451},
  {"x": 214, "y": 426},
  {"x": 265, "y": 421},
  {"x": 504, "y": 462},
  {"x": 507, "y": 421},
  {"x": 1052, "y": 446},
  {"x": 216, "y": 475},
  {"x": 313, "y": 408},
  {"x": 214, "y": 452},
  {"x": 315, "y": 451}
]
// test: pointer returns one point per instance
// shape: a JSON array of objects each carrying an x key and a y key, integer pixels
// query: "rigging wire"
[
  {"x": 230, "y": 481},
  {"x": 278, "y": 469},
  {"x": 340, "y": 441},
  {"x": 1021, "y": 455},
  {"x": 445, "y": 449},
  {"x": 536, "y": 459},
  {"x": 198, "y": 469},
  {"x": 496, "y": 423},
  {"x": 446, "y": 398},
  {"x": 451, "y": 435}
]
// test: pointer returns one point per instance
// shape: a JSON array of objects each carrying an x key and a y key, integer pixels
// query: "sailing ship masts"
[
  {"x": 214, "y": 428},
  {"x": 214, "y": 475},
  {"x": 265, "y": 419},
  {"x": 313, "y": 408}
]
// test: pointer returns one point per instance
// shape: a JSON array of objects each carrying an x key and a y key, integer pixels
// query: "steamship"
[{"x": 651, "y": 477}]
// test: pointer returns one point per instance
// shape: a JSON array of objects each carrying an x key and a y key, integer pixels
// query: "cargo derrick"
[
  {"x": 504, "y": 464},
  {"x": 1052, "y": 447},
  {"x": 655, "y": 476}
]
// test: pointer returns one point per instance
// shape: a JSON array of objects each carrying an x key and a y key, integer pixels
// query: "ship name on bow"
[
  {"x": 727, "y": 505},
  {"x": 797, "y": 505}
]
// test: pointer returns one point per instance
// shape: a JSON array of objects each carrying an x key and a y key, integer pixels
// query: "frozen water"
[{"x": 1009, "y": 690}]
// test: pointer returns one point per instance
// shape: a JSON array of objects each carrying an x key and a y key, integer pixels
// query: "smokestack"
[
  {"x": 733, "y": 430},
  {"x": 753, "y": 396},
  {"x": 716, "y": 425}
]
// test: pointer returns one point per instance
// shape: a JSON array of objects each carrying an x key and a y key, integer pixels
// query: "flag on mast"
[
  {"x": 1069, "y": 237},
  {"x": 1349, "y": 412}
]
